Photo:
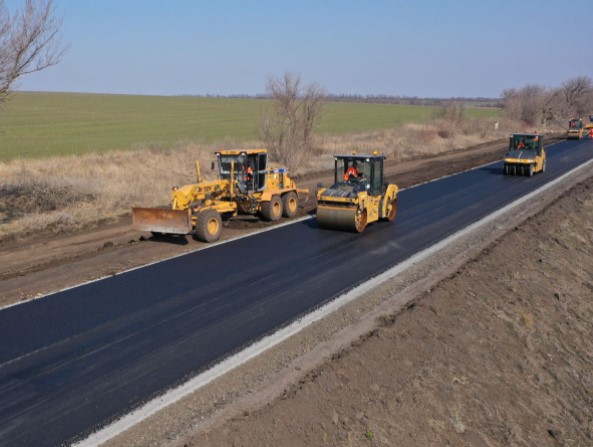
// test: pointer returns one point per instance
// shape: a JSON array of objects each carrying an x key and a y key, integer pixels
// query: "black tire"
[
  {"x": 530, "y": 171},
  {"x": 391, "y": 211},
  {"x": 513, "y": 170},
  {"x": 505, "y": 169},
  {"x": 360, "y": 221},
  {"x": 272, "y": 210},
  {"x": 208, "y": 226},
  {"x": 290, "y": 204},
  {"x": 544, "y": 166}
]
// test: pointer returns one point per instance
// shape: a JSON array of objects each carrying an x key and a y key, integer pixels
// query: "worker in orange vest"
[{"x": 351, "y": 171}]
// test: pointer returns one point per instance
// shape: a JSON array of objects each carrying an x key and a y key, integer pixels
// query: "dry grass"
[
  {"x": 73, "y": 192},
  {"x": 418, "y": 140}
]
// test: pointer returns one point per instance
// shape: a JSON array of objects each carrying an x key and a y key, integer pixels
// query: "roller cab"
[
  {"x": 526, "y": 155},
  {"x": 359, "y": 195},
  {"x": 576, "y": 130}
]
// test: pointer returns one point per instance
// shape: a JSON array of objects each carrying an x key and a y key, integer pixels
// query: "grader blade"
[{"x": 158, "y": 220}]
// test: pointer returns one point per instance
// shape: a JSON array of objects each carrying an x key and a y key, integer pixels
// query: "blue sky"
[{"x": 430, "y": 48}]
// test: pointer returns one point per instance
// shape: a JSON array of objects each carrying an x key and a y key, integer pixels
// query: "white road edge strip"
[{"x": 269, "y": 341}]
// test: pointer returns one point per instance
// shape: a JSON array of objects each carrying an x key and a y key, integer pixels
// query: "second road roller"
[{"x": 360, "y": 195}]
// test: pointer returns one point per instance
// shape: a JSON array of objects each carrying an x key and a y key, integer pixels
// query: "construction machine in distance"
[
  {"x": 245, "y": 185},
  {"x": 575, "y": 129},
  {"x": 590, "y": 124},
  {"x": 526, "y": 155},
  {"x": 360, "y": 195}
]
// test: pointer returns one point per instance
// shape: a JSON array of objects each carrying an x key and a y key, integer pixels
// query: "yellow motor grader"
[
  {"x": 526, "y": 155},
  {"x": 359, "y": 195},
  {"x": 245, "y": 186}
]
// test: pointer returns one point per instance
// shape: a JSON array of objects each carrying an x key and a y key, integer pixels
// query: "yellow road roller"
[
  {"x": 359, "y": 196},
  {"x": 526, "y": 155},
  {"x": 576, "y": 129}
]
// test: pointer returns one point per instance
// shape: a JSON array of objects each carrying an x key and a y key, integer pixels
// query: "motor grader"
[
  {"x": 245, "y": 185},
  {"x": 526, "y": 155},
  {"x": 575, "y": 129},
  {"x": 359, "y": 195}
]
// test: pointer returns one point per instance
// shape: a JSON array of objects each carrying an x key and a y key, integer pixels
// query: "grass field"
[{"x": 34, "y": 125}]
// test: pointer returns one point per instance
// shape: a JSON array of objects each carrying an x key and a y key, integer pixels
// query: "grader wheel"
[
  {"x": 272, "y": 210},
  {"x": 290, "y": 204},
  {"x": 208, "y": 226}
]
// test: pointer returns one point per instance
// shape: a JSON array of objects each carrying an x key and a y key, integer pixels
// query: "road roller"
[
  {"x": 359, "y": 195},
  {"x": 526, "y": 155},
  {"x": 576, "y": 129}
]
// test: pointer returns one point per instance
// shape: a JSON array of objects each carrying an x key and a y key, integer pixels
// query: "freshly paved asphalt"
[{"x": 73, "y": 361}]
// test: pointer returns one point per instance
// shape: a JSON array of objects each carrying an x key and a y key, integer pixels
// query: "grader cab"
[
  {"x": 245, "y": 186},
  {"x": 359, "y": 196}
]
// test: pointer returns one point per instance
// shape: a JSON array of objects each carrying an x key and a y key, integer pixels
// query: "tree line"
[{"x": 542, "y": 106}]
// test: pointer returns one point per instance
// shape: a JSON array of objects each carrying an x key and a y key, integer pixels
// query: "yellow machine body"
[
  {"x": 526, "y": 155},
  {"x": 356, "y": 199},
  {"x": 576, "y": 129},
  {"x": 245, "y": 186}
]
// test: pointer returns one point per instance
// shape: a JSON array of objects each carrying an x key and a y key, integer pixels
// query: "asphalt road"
[{"x": 73, "y": 361}]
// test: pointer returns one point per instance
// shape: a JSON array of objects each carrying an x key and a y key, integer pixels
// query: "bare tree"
[
  {"x": 525, "y": 104},
  {"x": 29, "y": 41},
  {"x": 552, "y": 107},
  {"x": 577, "y": 93},
  {"x": 453, "y": 111},
  {"x": 288, "y": 130}
]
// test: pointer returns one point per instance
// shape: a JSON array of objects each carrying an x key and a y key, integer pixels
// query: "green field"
[{"x": 45, "y": 124}]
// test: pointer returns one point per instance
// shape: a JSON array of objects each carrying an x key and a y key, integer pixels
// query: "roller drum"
[{"x": 341, "y": 218}]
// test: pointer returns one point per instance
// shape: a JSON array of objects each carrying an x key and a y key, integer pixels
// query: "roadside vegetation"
[{"x": 550, "y": 107}]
